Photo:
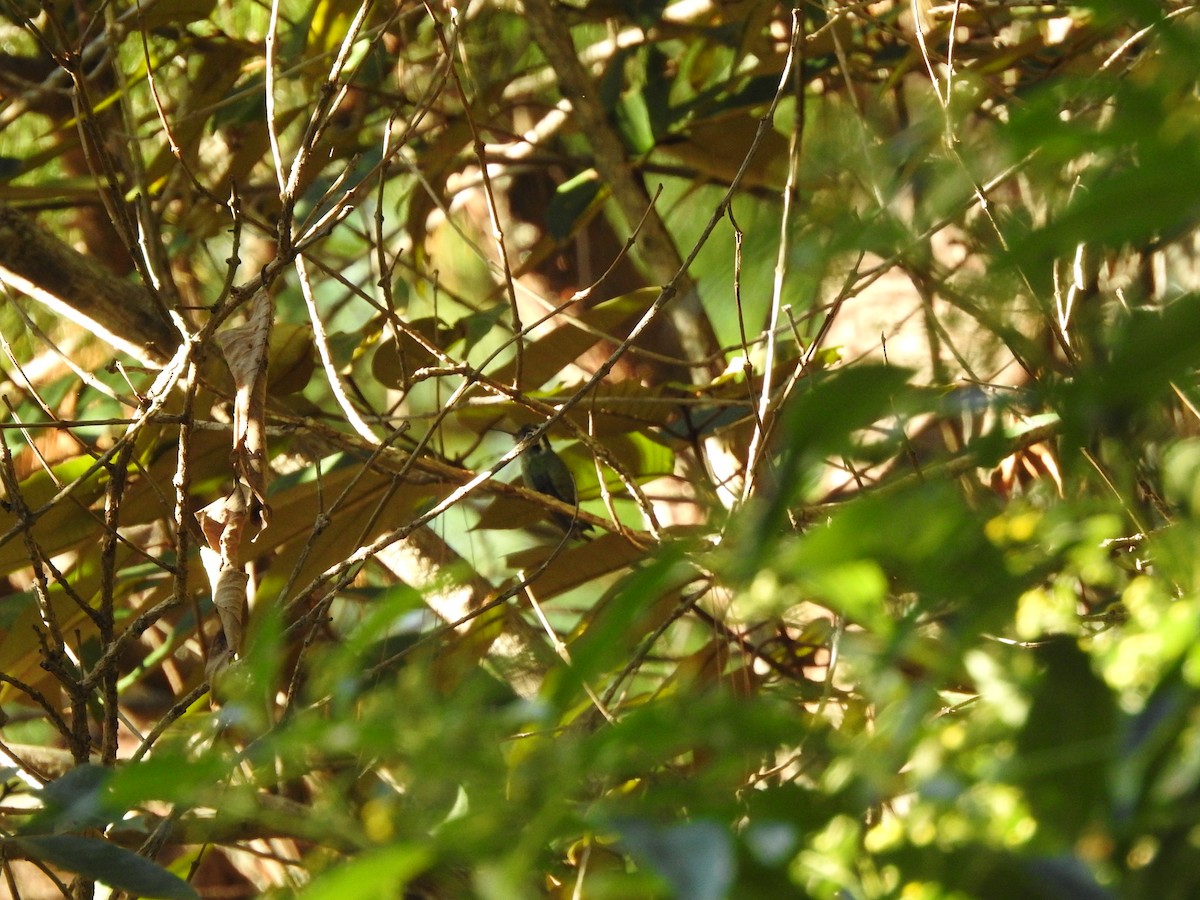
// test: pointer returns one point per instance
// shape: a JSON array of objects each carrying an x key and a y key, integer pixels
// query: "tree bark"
[{"x": 81, "y": 285}]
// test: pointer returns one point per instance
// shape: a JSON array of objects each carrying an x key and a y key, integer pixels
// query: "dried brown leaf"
[{"x": 247, "y": 352}]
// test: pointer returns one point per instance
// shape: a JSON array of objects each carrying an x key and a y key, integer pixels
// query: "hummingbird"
[{"x": 544, "y": 472}]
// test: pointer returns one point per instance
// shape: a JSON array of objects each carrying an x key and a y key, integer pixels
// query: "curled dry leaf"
[
  {"x": 230, "y": 600},
  {"x": 246, "y": 348},
  {"x": 223, "y": 523}
]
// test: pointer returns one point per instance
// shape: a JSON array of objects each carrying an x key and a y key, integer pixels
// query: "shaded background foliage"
[{"x": 869, "y": 333}]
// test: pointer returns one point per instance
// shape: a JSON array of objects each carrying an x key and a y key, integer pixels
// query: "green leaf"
[
  {"x": 1148, "y": 743},
  {"x": 925, "y": 539},
  {"x": 619, "y": 618},
  {"x": 1150, "y": 351},
  {"x": 1181, "y": 474},
  {"x": 475, "y": 327},
  {"x": 382, "y": 873},
  {"x": 102, "y": 861},
  {"x": 570, "y": 201},
  {"x": 641, "y": 457},
  {"x": 1067, "y": 743},
  {"x": 822, "y": 420},
  {"x": 696, "y": 858},
  {"x": 76, "y": 800},
  {"x": 984, "y": 873}
]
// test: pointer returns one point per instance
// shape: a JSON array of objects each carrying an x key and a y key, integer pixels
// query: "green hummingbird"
[{"x": 544, "y": 472}]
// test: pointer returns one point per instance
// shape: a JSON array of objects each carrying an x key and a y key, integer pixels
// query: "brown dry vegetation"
[{"x": 866, "y": 329}]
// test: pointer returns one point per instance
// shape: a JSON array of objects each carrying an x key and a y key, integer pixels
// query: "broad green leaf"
[
  {"x": 823, "y": 419},
  {"x": 825, "y": 415},
  {"x": 1147, "y": 763},
  {"x": 1067, "y": 744},
  {"x": 619, "y": 619},
  {"x": 696, "y": 858},
  {"x": 380, "y": 873},
  {"x": 104, "y": 862},
  {"x": 985, "y": 873},
  {"x": 77, "y": 801}
]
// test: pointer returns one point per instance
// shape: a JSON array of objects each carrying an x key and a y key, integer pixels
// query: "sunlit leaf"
[{"x": 384, "y": 871}]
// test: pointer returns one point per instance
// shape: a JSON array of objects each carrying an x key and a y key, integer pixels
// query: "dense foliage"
[{"x": 868, "y": 331}]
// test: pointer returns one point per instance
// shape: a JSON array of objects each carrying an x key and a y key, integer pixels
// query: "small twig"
[
  {"x": 113, "y": 495},
  {"x": 321, "y": 340},
  {"x": 181, "y": 706},
  {"x": 764, "y": 408}
]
